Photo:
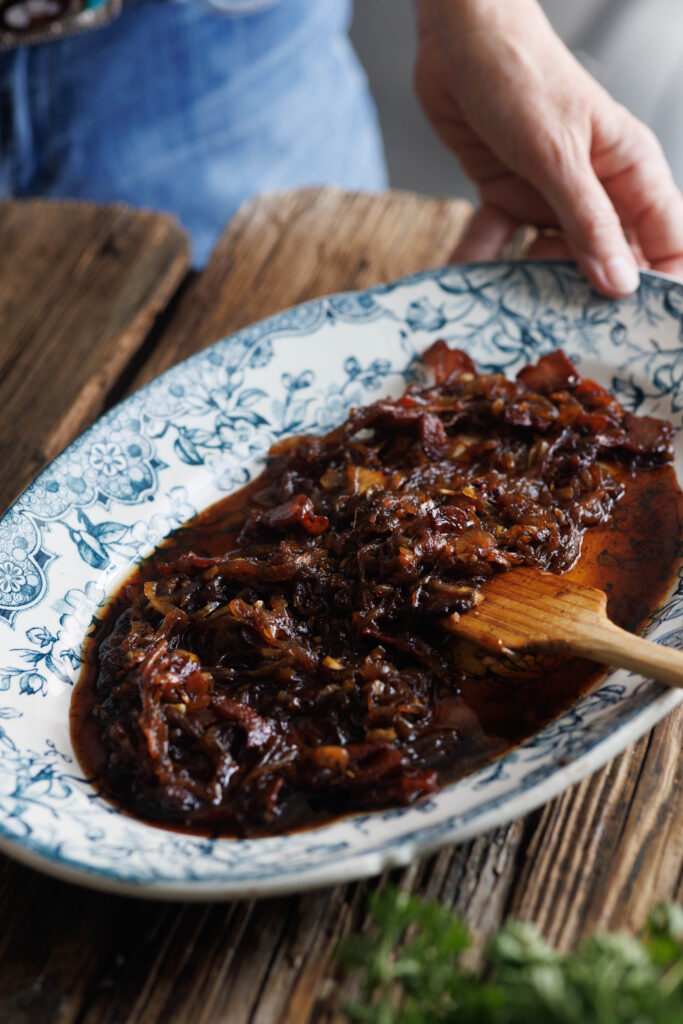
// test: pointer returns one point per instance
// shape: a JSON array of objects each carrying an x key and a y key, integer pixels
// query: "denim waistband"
[{"x": 177, "y": 108}]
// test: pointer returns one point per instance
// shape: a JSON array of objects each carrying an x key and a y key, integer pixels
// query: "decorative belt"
[{"x": 23, "y": 22}]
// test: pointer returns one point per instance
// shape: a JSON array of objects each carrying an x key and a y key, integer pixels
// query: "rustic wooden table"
[{"x": 94, "y": 302}]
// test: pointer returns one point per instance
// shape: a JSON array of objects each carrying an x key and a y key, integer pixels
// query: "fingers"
[
  {"x": 615, "y": 214},
  {"x": 488, "y": 230},
  {"x": 591, "y": 227},
  {"x": 640, "y": 184},
  {"x": 659, "y": 231}
]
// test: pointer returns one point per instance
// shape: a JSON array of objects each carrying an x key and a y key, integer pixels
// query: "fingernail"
[{"x": 622, "y": 275}]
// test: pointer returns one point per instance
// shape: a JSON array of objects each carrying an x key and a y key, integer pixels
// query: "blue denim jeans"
[{"x": 178, "y": 108}]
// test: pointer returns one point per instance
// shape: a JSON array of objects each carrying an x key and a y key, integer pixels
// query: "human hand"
[{"x": 545, "y": 144}]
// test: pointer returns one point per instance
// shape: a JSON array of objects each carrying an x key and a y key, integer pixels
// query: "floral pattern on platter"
[
  {"x": 118, "y": 466},
  {"x": 202, "y": 429},
  {"x": 22, "y": 563}
]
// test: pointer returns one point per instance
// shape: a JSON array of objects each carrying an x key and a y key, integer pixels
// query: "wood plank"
[
  {"x": 285, "y": 248},
  {"x": 77, "y": 299},
  {"x": 609, "y": 849},
  {"x": 79, "y": 292}
]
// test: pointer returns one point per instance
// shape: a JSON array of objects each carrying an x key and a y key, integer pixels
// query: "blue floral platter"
[{"x": 202, "y": 430}]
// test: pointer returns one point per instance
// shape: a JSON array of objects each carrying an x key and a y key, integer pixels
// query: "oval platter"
[{"x": 201, "y": 430}]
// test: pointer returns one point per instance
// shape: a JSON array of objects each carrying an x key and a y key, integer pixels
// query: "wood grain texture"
[
  {"x": 288, "y": 247},
  {"x": 80, "y": 287},
  {"x": 608, "y": 849},
  {"x": 598, "y": 855}
]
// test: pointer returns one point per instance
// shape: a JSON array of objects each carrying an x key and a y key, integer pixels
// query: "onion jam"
[{"x": 281, "y": 659}]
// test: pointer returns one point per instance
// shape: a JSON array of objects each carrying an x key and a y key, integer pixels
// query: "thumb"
[{"x": 592, "y": 229}]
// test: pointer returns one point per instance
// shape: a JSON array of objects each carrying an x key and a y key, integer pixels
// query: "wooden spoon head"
[{"x": 528, "y": 609}]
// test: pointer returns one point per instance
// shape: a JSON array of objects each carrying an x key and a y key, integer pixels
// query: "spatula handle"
[{"x": 609, "y": 644}]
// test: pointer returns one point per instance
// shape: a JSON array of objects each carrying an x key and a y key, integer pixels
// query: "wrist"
[{"x": 456, "y": 19}]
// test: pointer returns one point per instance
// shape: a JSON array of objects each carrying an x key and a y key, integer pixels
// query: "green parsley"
[{"x": 411, "y": 972}]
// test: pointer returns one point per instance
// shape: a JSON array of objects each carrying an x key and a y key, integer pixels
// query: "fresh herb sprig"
[{"x": 411, "y": 971}]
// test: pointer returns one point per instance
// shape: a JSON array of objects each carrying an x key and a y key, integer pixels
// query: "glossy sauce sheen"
[
  {"x": 497, "y": 701},
  {"x": 634, "y": 561}
]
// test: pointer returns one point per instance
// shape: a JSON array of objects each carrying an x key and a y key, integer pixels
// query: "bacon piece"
[
  {"x": 446, "y": 362},
  {"x": 433, "y": 436},
  {"x": 395, "y": 415},
  {"x": 371, "y": 761},
  {"x": 415, "y": 785},
  {"x": 530, "y": 410},
  {"x": 595, "y": 398},
  {"x": 647, "y": 435},
  {"x": 450, "y": 519},
  {"x": 187, "y": 563},
  {"x": 298, "y": 511},
  {"x": 552, "y": 372}
]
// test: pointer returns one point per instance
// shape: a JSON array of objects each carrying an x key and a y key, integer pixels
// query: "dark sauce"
[{"x": 492, "y": 705}]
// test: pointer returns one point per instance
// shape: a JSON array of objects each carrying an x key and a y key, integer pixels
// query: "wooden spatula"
[{"x": 531, "y": 610}]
